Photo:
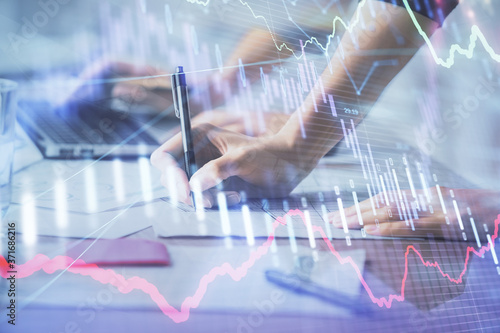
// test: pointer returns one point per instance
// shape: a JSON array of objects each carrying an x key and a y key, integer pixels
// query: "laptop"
[{"x": 93, "y": 126}]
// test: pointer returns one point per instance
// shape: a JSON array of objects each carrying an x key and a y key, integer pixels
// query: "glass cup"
[{"x": 8, "y": 107}]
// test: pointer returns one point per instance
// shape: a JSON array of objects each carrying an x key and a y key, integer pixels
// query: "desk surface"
[
  {"x": 395, "y": 279},
  {"x": 432, "y": 303}
]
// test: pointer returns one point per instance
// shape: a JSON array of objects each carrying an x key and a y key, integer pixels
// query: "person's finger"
[
  {"x": 363, "y": 206},
  {"x": 396, "y": 211},
  {"x": 174, "y": 179},
  {"x": 215, "y": 171},
  {"x": 105, "y": 67},
  {"x": 135, "y": 95},
  {"x": 215, "y": 117},
  {"x": 215, "y": 198},
  {"x": 382, "y": 214},
  {"x": 144, "y": 75},
  {"x": 161, "y": 158},
  {"x": 209, "y": 199},
  {"x": 122, "y": 90},
  {"x": 128, "y": 69},
  {"x": 130, "y": 93},
  {"x": 171, "y": 148},
  {"x": 367, "y": 205},
  {"x": 150, "y": 81},
  {"x": 232, "y": 198},
  {"x": 398, "y": 229},
  {"x": 401, "y": 229},
  {"x": 335, "y": 217},
  {"x": 225, "y": 198},
  {"x": 366, "y": 208}
]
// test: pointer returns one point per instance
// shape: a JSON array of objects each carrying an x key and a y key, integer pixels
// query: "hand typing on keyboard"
[{"x": 133, "y": 85}]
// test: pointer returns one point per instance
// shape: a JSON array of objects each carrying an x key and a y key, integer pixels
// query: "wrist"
[
  {"x": 303, "y": 153},
  {"x": 308, "y": 139}
]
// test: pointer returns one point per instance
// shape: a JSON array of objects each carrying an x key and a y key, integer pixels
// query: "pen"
[
  {"x": 300, "y": 285},
  {"x": 181, "y": 106}
]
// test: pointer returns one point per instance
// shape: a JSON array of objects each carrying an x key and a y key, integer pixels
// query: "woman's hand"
[
  {"x": 153, "y": 90},
  {"x": 260, "y": 166},
  {"x": 269, "y": 123},
  {"x": 484, "y": 206},
  {"x": 134, "y": 85}
]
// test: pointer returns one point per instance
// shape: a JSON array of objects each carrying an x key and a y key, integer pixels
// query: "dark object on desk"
[
  {"x": 299, "y": 285},
  {"x": 121, "y": 251},
  {"x": 84, "y": 130}
]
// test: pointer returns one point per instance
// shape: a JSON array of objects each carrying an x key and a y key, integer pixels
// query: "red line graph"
[{"x": 108, "y": 276}]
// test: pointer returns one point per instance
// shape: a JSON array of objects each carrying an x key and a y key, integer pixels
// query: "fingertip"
[
  {"x": 334, "y": 219},
  {"x": 202, "y": 181},
  {"x": 189, "y": 200},
  {"x": 353, "y": 222},
  {"x": 184, "y": 198},
  {"x": 233, "y": 198},
  {"x": 161, "y": 159},
  {"x": 120, "y": 90},
  {"x": 331, "y": 216},
  {"x": 185, "y": 193},
  {"x": 207, "y": 203},
  {"x": 155, "y": 158},
  {"x": 337, "y": 223},
  {"x": 373, "y": 230}
]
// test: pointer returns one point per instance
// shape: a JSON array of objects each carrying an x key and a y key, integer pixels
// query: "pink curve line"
[{"x": 108, "y": 276}]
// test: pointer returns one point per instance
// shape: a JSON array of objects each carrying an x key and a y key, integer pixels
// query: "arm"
[
  {"x": 272, "y": 166},
  {"x": 322, "y": 129}
]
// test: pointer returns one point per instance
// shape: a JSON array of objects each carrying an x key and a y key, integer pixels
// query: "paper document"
[
  {"x": 253, "y": 219},
  {"x": 111, "y": 224},
  {"x": 87, "y": 186}
]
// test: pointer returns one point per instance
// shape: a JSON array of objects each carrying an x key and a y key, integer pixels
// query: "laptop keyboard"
[
  {"x": 88, "y": 126},
  {"x": 56, "y": 129}
]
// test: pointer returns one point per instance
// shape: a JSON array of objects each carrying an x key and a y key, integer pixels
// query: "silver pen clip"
[{"x": 174, "y": 97}]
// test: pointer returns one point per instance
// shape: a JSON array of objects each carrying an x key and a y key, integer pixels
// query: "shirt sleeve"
[{"x": 436, "y": 10}]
